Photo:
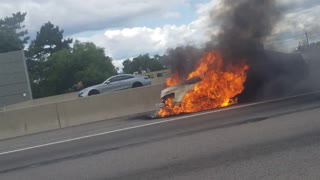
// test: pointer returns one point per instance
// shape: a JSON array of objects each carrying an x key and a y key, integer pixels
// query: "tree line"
[{"x": 56, "y": 63}]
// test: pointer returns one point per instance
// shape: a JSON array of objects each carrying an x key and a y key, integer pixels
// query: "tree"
[
  {"x": 92, "y": 65},
  {"x": 142, "y": 63},
  {"x": 13, "y": 35},
  {"x": 85, "y": 62},
  {"x": 48, "y": 41},
  {"x": 128, "y": 67}
]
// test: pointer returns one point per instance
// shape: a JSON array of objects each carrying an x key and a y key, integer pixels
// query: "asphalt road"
[{"x": 271, "y": 140}]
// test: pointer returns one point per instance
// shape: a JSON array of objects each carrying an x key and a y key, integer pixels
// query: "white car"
[{"x": 116, "y": 83}]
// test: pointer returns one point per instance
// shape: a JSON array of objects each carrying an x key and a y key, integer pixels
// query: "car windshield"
[{"x": 159, "y": 89}]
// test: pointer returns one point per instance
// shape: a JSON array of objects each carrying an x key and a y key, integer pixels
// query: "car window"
[
  {"x": 120, "y": 78},
  {"x": 115, "y": 79},
  {"x": 125, "y": 77}
]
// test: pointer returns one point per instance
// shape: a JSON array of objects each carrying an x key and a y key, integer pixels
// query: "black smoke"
[
  {"x": 183, "y": 60},
  {"x": 244, "y": 26}
]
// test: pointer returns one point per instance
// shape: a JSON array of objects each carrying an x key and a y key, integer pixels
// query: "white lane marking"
[{"x": 151, "y": 124}]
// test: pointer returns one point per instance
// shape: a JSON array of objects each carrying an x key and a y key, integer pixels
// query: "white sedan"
[{"x": 116, "y": 83}]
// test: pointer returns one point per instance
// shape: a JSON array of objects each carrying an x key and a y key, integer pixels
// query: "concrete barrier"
[
  {"x": 108, "y": 106},
  {"x": 41, "y": 101},
  {"x": 11, "y": 127},
  {"x": 28, "y": 121},
  {"x": 40, "y": 118},
  {"x": 160, "y": 80}
]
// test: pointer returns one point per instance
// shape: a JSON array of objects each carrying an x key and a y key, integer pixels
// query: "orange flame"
[
  {"x": 173, "y": 80},
  {"x": 219, "y": 86}
]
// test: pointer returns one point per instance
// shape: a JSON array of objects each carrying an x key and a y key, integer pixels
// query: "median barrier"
[
  {"x": 45, "y": 117},
  {"x": 10, "y": 126},
  {"x": 109, "y": 106},
  {"x": 28, "y": 121},
  {"x": 41, "y": 101}
]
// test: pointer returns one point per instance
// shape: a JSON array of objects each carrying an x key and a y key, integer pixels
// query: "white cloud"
[
  {"x": 76, "y": 16},
  {"x": 131, "y": 42},
  {"x": 300, "y": 21}
]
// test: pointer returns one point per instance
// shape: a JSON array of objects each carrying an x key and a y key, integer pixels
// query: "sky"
[{"x": 128, "y": 28}]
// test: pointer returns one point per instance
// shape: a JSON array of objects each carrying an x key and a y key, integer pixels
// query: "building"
[{"x": 14, "y": 79}]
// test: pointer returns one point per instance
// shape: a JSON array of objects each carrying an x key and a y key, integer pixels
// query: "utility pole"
[{"x": 307, "y": 37}]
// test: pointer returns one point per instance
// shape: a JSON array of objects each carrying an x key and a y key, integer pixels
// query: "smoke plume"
[{"x": 244, "y": 26}]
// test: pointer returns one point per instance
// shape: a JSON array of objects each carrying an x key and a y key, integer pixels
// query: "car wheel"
[
  {"x": 93, "y": 92},
  {"x": 137, "y": 84}
]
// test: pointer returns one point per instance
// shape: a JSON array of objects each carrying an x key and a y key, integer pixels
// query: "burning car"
[
  {"x": 215, "y": 83},
  {"x": 211, "y": 85}
]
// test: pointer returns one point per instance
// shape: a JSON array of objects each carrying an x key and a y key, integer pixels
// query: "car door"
[
  {"x": 127, "y": 81},
  {"x": 113, "y": 84}
]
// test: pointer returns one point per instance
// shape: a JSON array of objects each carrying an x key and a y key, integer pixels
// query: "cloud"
[
  {"x": 292, "y": 5},
  {"x": 131, "y": 42},
  {"x": 76, "y": 16},
  {"x": 301, "y": 20},
  {"x": 299, "y": 16}
]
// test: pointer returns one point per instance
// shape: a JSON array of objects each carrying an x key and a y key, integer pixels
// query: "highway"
[{"x": 277, "y": 139}]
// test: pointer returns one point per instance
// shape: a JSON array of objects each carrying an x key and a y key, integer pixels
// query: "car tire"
[
  {"x": 93, "y": 92},
  {"x": 137, "y": 84}
]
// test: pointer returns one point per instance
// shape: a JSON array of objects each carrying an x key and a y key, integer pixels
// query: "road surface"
[{"x": 271, "y": 140}]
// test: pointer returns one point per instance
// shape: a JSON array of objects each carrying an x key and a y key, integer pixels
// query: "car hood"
[{"x": 171, "y": 90}]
